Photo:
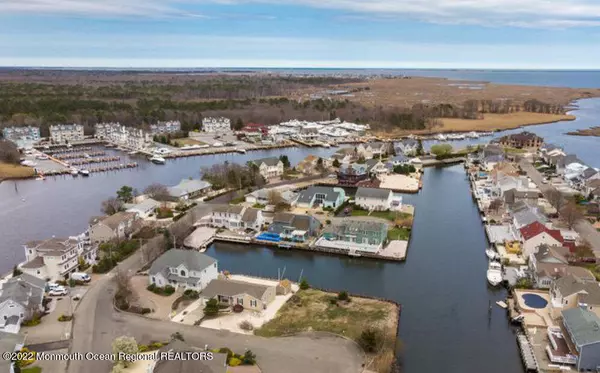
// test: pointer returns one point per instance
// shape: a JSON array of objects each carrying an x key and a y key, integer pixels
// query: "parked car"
[
  {"x": 58, "y": 291},
  {"x": 80, "y": 276}
]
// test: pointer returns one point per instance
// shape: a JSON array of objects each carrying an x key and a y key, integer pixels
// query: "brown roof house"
[
  {"x": 550, "y": 263},
  {"x": 178, "y": 357},
  {"x": 231, "y": 292},
  {"x": 571, "y": 291},
  {"x": 116, "y": 226},
  {"x": 523, "y": 140}
]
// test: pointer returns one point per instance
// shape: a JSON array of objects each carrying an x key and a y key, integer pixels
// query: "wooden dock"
[{"x": 527, "y": 355}]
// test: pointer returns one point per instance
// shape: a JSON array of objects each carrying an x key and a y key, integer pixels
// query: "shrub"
[
  {"x": 169, "y": 290},
  {"x": 16, "y": 271},
  {"x": 225, "y": 350},
  {"x": 177, "y": 336},
  {"x": 35, "y": 320},
  {"x": 249, "y": 358},
  {"x": 343, "y": 296},
  {"x": 62, "y": 282},
  {"x": 211, "y": 308},
  {"x": 327, "y": 221},
  {"x": 369, "y": 339},
  {"x": 155, "y": 345},
  {"x": 234, "y": 362},
  {"x": 238, "y": 308},
  {"x": 304, "y": 284},
  {"x": 151, "y": 287},
  {"x": 142, "y": 348},
  {"x": 246, "y": 325},
  {"x": 191, "y": 294},
  {"x": 64, "y": 318}
]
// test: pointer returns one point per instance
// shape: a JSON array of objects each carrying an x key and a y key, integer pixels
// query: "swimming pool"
[{"x": 534, "y": 301}]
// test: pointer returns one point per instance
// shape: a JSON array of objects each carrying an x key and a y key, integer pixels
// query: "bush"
[
  {"x": 343, "y": 296},
  {"x": 64, "y": 318},
  {"x": 211, "y": 308},
  {"x": 304, "y": 284},
  {"x": 155, "y": 345},
  {"x": 246, "y": 325},
  {"x": 166, "y": 291},
  {"x": 142, "y": 348},
  {"x": 327, "y": 221},
  {"x": 35, "y": 320},
  {"x": 62, "y": 282},
  {"x": 369, "y": 339},
  {"x": 234, "y": 362},
  {"x": 238, "y": 308},
  {"x": 191, "y": 294},
  {"x": 151, "y": 287},
  {"x": 169, "y": 289},
  {"x": 249, "y": 358}
]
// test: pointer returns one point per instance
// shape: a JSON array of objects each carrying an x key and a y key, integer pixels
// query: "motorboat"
[
  {"x": 42, "y": 157},
  {"x": 440, "y": 137},
  {"x": 239, "y": 150},
  {"x": 494, "y": 273},
  {"x": 157, "y": 160},
  {"x": 491, "y": 254},
  {"x": 473, "y": 135},
  {"x": 74, "y": 172},
  {"x": 84, "y": 172}
]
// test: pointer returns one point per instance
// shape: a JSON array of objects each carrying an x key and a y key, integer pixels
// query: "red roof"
[{"x": 535, "y": 228}]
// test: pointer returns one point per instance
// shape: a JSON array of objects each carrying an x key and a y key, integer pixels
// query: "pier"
[{"x": 527, "y": 355}]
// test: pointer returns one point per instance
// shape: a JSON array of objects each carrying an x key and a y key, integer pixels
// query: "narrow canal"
[{"x": 445, "y": 324}]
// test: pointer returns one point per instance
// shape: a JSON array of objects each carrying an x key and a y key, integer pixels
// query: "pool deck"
[{"x": 534, "y": 317}]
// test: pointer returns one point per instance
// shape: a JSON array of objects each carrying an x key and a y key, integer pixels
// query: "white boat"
[
  {"x": 134, "y": 152},
  {"x": 473, "y": 135},
  {"x": 239, "y": 150},
  {"x": 42, "y": 157},
  {"x": 440, "y": 137},
  {"x": 494, "y": 273},
  {"x": 491, "y": 254},
  {"x": 325, "y": 145},
  {"x": 158, "y": 160},
  {"x": 84, "y": 172},
  {"x": 41, "y": 177},
  {"x": 74, "y": 172}
]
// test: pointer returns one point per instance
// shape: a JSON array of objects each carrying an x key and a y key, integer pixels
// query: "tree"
[
  {"x": 16, "y": 271},
  {"x": 556, "y": 199},
  {"x": 336, "y": 163},
  {"x": 304, "y": 284},
  {"x": 286, "y": 162},
  {"x": 212, "y": 307},
  {"x": 9, "y": 152},
  {"x": 125, "y": 194},
  {"x": 111, "y": 206},
  {"x": 274, "y": 197},
  {"x": 571, "y": 214},
  {"x": 125, "y": 345},
  {"x": 583, "y": 251},
  {"x": 343, "y": 296},
  {"x": 238, "y": 125},
  {"x": 441, "y": 149},
  {"x": 157, "y": 191},
  {"x": 178, "y": 336}
]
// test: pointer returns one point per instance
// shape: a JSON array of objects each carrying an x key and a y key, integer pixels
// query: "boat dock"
[{"x": 527, "y": 355}]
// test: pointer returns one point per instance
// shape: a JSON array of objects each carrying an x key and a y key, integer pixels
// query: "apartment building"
[
  {"x": 133, "y": 138},
  {"x": 212, "y": 124},
  {"x": 66, "y": 133},
  {"x": 165, "y": 127},
  {"x": 22, "y": 136}
]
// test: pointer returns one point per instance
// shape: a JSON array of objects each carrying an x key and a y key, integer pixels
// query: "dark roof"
[
  {"x": 571, "y": 284},
  {"x": 19, "y": 290},
  {"x": 521, "y": 137},
  {"x": 283, "y": 217},
  {"x": 232, "y": 288},
  {"x": 216, "y": 365},
  {"x": 583, "y": 325},
  {"x": 546, "y": 252},
  {"x": 568, "y": 159},
  {"x": 588, "y": 172},
  {"x": 307, "y": 195},
  {"x": 193, "y": 260},
  {"x": 37, "y": 262},
  {"x": 408, "y": 142},
  {"x": 373, "y": 193},
  {"x": 250, "y": 215},
  {"x": 270, "y": 161},
  {"x": 114, "y": 220}
]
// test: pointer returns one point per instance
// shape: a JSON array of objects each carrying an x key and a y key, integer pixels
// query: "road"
[
  {"x": 97, "y": 323},
  {"x": 583, "y": 227}
]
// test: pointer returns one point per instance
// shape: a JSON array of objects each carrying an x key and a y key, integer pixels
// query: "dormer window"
[{"x": 182, "y": 273}]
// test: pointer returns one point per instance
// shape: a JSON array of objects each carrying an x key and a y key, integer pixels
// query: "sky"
[{"x": 502, "y": 34}]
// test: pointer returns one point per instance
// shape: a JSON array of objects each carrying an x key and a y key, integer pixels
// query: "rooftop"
[
  {"x": 584, "y": 326},
  {"x": 113, "y": 221},
  {"x": 232, "y": 288},
  {"x": 373, "y": 193},
  {"x": 187, "y": 186},
  {"x": 270, "y": 161},
  {"x": 193, "y": 260},
  {"x": 306, "y": 196},
  {"x": 535, "y": 228}
]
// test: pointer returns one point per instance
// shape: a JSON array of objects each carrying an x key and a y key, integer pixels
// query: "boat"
[
  {"x": 473, "y": 135},
  {"x": 41, "y": 177},
  {"x": 440, "y": 137},
  {"x": 325, "y": 145},
  {"x": 157, "y": 160},
  {"x": 134, "y": 152},
  {"x": 491, "y": 254},
  {"x": 42, "y": 157},
  {"x": 84, "y": 172},
  {"x": 353, "y": 253},
  {"x": 502, "y": 304},
  {"x": 239, "y": 150},
  {"x": 517, "y": 319},
  {"x": 494, "y": 273},
  {"x": 74, "y": 172}
]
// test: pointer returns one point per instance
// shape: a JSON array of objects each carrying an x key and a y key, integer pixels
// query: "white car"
[{"x": 57, "y": 291}]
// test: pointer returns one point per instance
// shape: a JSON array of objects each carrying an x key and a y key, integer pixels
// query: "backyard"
[
  {"x": 398, "y": 233},
  {"x": 321, "y": 311},
  {"x": 387, "y": 215}
]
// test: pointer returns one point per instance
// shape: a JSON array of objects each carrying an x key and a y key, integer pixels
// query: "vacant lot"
[
  {"x": 11, "y": 171},
  {"x": 388, "y": 215},
  {"x": 188, "y": 141},
  {"x": 315, "y": 310}
]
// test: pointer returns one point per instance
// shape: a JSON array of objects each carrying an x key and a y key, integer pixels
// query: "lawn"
[
  {"x": 398, "y": 233},
  {"x": 318, "y": 311},
  {"x": 387, "y": 215},
  {"x": 15, "y": 171},
  {"x": 187, "y": 141}
]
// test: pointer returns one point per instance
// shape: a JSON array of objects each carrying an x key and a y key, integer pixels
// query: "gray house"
[
  {"x": 583, "y": 328},
  {"x": 321, "y": 196},
  {"x": 187, "y": 268},
  {"x": 20, "y": 297}
]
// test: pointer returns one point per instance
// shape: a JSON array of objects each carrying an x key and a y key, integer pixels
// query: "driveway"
[
  {"x": 97, "y": 323},
  {"x": 50, "y": 329},
  {"x": 159, "y": 303}
]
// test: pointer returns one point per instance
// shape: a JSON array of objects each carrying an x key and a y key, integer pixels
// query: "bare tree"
[
  {"x": 124, "y": 288},
  {"x": 556, "y": 199},
  {"x": 111, "y": 206},
  {"x": 571, "y": 214},
  {"x": 274, "y": 197},
  {"x": 157, "y": 191},
  {"x": 9, "y": 152}
]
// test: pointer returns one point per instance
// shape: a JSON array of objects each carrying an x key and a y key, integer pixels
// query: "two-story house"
[
  {"x": 536, "y": 234},
  {"x": 189, "y": 269},
  {"x": 189, "y": 189},
  {"x": 571, "y": 291},
  {"x": 20, "y": 298},
  {"x": 373, "y": 150},
  {"x": 352, "y": 173},
  {"x": 550, "y": 263},
  {"x": 252, "y": 219},
  {"x": 407, "y": 146},
  {"x": 320, "y": 196},
  {"x": 228, "y": 217},
  {"x": 269, "y": 168},
  {"x": 294, "y": 227},
  {"x": 377, "y": 199},
  {"x": 53, "y": 258},
  {"x": 116, "y": 226},
  {"x": 582, "y": 328},
  {"x": 361, "y": 235}
]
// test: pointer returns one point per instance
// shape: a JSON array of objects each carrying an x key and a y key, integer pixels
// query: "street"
[{"x": 583, "y": 227}]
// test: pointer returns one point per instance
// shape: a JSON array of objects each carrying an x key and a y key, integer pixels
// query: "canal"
[{"x": 445, "y": 324}]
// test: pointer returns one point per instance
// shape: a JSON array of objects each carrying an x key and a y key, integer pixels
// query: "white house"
[
  {"x": 20, "y": 297},
  {"x": 377, "y": 199},
  {"x": 536, "y": 234},
  {"x": 53, "y": 258},
  {"x": 252, "y": 219},
  {"x": 187, "y": 268},
  {"x": 107, "y": 228},
  {"x": 228, "y": 217},
  {"x": 145, "y": 208},
  {"x": 66, "y": 133},
  {"x": 220, "y": 124},
  {"x": 269, "y": 168}
]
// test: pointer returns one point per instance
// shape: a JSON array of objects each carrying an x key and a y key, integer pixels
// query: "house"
[
  {"x": 523, "y": 140},
  {"x": 262, "y": 196},
  {"x": 172, "y": 359},
  {"x": 489, "y": 162},
  {"x": 536, "y": 234},
  {"x": 308, "y": 165},
  {"x": 591, "y": 187},
  {"x": 116, "y": 226},
  {"x": 569, "y": 163},
  {"x": 269, "y": 168},
  {"x": 10, "y": 342},
  {"x": 373, "y": 150},
  {"x": 407, "y": 146},
  {"x": 228, "y": 217},
  {"x": 66, "y": 133},
  {"x": 375, "y": 167},
  {"x": 252, "y": 219},
  {"x": 189, "y": 269},
  {"x": 251, "y": 296},
  {"x": 53, "y": 258},
  {"x": 308, "y": 133},
  {"x": 572, "y": 292},
  {"x": 220, "y": 124},
  {"x": 320, "y": 196},
  {"x": 145, "y": 208},
  {"x": 550, "y": 263},
  {"x": 20, "y": 298},
  {"x": 515, "y": 195},
  {"x": 375, "y": 199},
  {"x": 582, "y": 328},
  {"x": 527, "y": 216},
  {"x": 399, "y": 160},
  {"x": 352, "y": 173},
  {"x": 344, "y": 155},
  {"x": 189, "y": 189},
  {"x": 255, "y": 130},
  {"x": 360, "y": 234},
  {"x": 292, "y": 227}
]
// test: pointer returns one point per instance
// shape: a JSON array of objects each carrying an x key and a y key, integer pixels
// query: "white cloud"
[{"x": 518, "y": 13}]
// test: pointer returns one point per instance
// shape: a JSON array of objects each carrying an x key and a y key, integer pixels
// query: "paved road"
[
  {"x": 97, "y": 323},
  {"x": 583, "y": 227}
]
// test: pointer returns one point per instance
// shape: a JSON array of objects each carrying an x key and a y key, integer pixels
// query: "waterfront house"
[
  {"x": 269, "y": 168},
  {"x": 536, "y": 234},
  {"x": 320, "y": 196},
  {"x": 526, "y": 216},
  {"x": 293, "y": 227},
  {"x": 399, "y": 160},
  {"x": 358, "y": 235},
  {"x": 582, "y": 328},
  {"x": 514, "y": 195},
  {"x": 129, "y": 137},
  {"x": 189, "y": 189},
  {"x": 549, "y": 263},
  {"x": 23, "y": 137},
  {"x": 308, "y": 134},
  {"x": 571, "y": 291},
  {"x": 262, "y": 196},
  {"x": 145, "y": 208},
  {"x": 553, "y": 156},
  {"x": 52, "y": 259},
  {"x": 166, "y": 363},
  {"x": 252, "y": 219},
  {"x": 375, "y": 167},
  {"x": 568, "y": 164},
  {"x": 212, "y": 124},
  {"x": 249, "y": 295},
  {"x": 172, "y": 126},
  {"x": 20, "y": 298},
  {"x": 523, "y": 140},
  {"x": 374, "y": 199},
  {"x": 66, "y": 133},
  {"x": 407, "y": 146},
  {"x": 116, "y": 226},
  {"x": 255, "y": 130},
  {"x": 308, "y": 165},
  {"x": 352, "y": 173},
  {"x": 189, "y": 269},
  {"x": 345, "y": 155},
  {"x": 228, "y": 217},
  {"x": 10, "y": 342},
  {"x": 373, "y": 150},
  {"x": 489, "y": 162}
]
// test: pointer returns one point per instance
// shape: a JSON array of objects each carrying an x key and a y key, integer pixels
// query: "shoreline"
[{"x": 588, "y": 132}]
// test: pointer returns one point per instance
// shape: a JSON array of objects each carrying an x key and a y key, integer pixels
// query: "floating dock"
[{"x": 527, "y": 355}]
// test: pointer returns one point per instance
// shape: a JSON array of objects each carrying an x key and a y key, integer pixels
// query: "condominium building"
[
  {"x": 165, "y": 127},
  {"x": 133, "y": 138},
  {"x": 22, "y": 136},
  {"x": 211, "y": 124},
  {"x": 66, "y": 133}
]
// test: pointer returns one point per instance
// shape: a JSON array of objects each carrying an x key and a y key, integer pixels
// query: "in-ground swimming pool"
[{"x": 534, "y": 301}]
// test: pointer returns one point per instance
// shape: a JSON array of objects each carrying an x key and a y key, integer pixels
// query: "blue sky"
[{"x": 536, "y": 34}]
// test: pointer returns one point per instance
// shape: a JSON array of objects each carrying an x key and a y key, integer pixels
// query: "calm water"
[{"x": 442, "y": 286}]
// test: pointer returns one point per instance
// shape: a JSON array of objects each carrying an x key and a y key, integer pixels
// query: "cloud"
[{"x": 516, "y": 13}]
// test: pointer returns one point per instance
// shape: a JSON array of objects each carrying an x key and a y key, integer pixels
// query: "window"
[
  {"x": 253, "y": 303},
  {"x": 182, "y": 273},
  {"x": 240, "y": 301}
]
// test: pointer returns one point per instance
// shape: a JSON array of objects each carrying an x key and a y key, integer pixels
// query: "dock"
[{"x": 527, "y": 355}]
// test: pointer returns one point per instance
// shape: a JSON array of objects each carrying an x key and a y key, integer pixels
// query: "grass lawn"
[
  {"x": 188, "y": 141},
  {"x": 314, "y": 310},
  {"x": 388, "y": 215},
  {"x": 398, "y": 233},
  {"x": 14, "y": 171},
  {"x": 31, "y": 370}
]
